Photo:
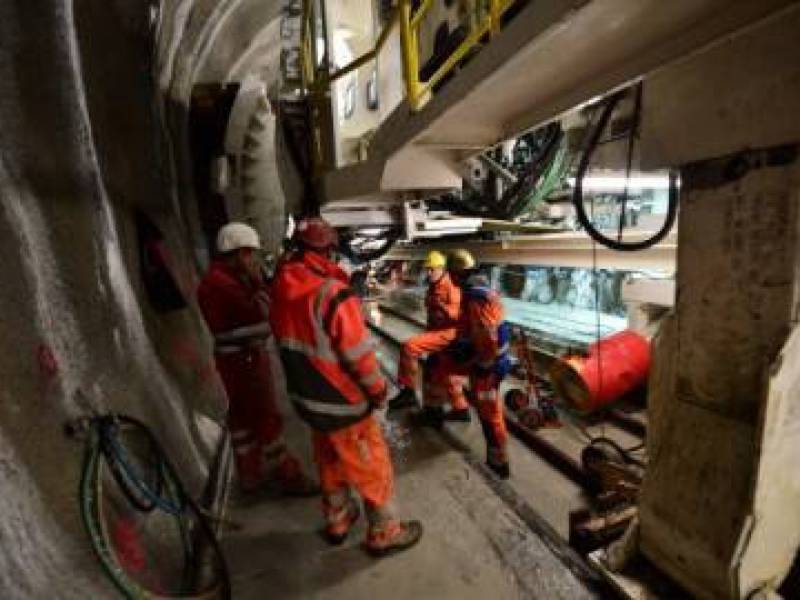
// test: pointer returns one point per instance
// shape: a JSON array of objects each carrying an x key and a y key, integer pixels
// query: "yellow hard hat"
[
  {"x": 461, "y": 260},
  {"x": 435, "y": 260}
]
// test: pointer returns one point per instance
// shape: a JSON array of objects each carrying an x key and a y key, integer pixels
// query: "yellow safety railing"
[
  {"x": 322, "y": 79},
  {"x": 416, "y": 90},
  {"x": 317, "y": 78}
]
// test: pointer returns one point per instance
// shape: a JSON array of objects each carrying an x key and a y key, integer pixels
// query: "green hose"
[
  {"x": 90, "y": 497},
  {"x": 91, "y": 494}
]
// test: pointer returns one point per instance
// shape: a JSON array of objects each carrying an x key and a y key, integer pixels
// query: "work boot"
[
  {"x": 430, "y": 416},
  {"x": 405, "y": 398},
  {"x": 502, "y": 470},
  {"x": 497, "y": 461},
  {"x": 393, "y": 536},
  {"x": 341, "y": 521},
  {"x": 460, "y": 415}
]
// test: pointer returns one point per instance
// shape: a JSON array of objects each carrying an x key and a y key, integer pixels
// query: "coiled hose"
[
  {"x": 164, "y": 493},
  {"x": 577, "y": 197}
]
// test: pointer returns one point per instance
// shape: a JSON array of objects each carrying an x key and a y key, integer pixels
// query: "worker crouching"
[
  {"x": 234, "y": 302},
  {"x": 443, "y": 307},
  {"x": 481, "y": 353},
  {"x": 334, "y": 383}
]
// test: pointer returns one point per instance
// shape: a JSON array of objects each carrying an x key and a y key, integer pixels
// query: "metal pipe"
[{"x": 423, "y": 9}]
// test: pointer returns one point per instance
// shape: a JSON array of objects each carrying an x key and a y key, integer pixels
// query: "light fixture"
[{"x": 611, "y": 183}]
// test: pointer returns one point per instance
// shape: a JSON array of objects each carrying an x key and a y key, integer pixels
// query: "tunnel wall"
[
  {"x": 81, "y": 150},
  {"x": 221, "y": 41}
]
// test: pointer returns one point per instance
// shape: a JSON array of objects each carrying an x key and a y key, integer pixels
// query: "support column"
[
  {"x": 719, "y": 508},
  {"x": 736, "y": 307}
]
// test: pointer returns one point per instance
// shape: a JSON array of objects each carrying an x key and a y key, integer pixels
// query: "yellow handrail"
[
  {"x": 318, "y": 81},
  {"x": 423, "y": 9},
  {"x": 306, "y": 50},
  {"x": 417, "y": 90}
]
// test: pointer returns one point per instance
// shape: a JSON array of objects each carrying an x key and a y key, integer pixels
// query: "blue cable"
[{"x": 119, "y": 455}]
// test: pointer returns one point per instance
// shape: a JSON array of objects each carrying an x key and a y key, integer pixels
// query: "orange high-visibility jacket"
[
  {"x": 481, "y": 318},
  {"x": 443, "y": 303},
  {"x": 331, "y": 369}
]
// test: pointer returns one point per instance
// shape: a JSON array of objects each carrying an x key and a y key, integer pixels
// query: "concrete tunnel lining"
[{"x": 85, "y": 142}]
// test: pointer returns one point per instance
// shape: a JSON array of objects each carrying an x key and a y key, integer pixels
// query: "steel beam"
[{"x": 572, "y": 249}]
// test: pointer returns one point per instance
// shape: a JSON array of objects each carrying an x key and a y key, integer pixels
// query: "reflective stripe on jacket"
[
  {"x": 331, "y": 369},
  {"x": 443, "y": 303},
  {"x": 234, "y": 308}
]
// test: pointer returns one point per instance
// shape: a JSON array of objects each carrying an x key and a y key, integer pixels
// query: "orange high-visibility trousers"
[
  {"x": 429, "y": 342},
  {"x": 485, "y": 397},
  {"x": 355, "y": 457}
]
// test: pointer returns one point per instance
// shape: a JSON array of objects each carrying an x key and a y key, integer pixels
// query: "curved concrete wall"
[{"x": 82, "y": 147}]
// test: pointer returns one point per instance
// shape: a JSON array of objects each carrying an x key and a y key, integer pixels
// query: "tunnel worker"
[
  {"x": 234, "y": 302},
  {"x": 443, "y": 306},
  {"x": 480, "y": 351},
  {"x": 334, "y": 383}
]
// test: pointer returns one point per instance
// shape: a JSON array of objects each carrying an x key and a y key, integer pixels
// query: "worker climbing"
[
  {"x": 443, "y": 306},
  {"x": 480, "y": 352},
  {"x": 234, "y": 302},
  {"x": 334, "y": 382}
]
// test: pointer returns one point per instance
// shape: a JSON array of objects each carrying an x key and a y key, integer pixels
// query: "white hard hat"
[{"x": 237, "y": 235}]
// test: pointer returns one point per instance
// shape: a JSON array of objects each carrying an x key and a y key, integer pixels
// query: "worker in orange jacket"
[
  {"x": 334, "y": 382},
  {"x": 443, "y": 306},
  {"x": 233, "y": 299},
  {"x": 480, "y": 352}
]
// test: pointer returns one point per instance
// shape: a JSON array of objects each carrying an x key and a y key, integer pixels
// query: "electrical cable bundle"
[
  {"x": 134, "y": 496},
  {"x": 541, "y": 175},
  {"x": 544, "y": 168}
]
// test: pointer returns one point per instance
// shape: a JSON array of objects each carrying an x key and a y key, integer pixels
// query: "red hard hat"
[{"x": 316, "y": 233}]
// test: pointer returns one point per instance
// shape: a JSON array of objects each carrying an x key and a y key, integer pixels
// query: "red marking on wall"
[
  {"x": 128, "y": 545},
  {"x": 48, "y": 363},
  {"x": 186, "y": 352}
]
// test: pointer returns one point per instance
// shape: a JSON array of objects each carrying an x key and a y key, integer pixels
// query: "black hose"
[
  {"x": 624, "y": 452},
  {"x": 632, "y": 134},
  {"x": 577, "y": 197}
]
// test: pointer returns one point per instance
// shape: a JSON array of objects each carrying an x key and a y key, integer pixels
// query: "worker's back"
[{"x": 331, "y": 369}]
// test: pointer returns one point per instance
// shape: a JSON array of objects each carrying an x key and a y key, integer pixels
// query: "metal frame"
[
  {"x": 317, "y": 79},
  {"x": 416, "y": 90},
  {"x": 559, "y": 250}
]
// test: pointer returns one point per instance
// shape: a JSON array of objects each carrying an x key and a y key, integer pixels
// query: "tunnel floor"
[
  {"x": 475, "y": 545},
  {"x": 477, "y": 542}
]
